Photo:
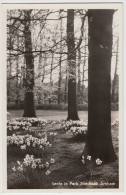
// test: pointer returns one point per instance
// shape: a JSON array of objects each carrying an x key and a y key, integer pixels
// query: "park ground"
[{"x": 68, "y": 170}]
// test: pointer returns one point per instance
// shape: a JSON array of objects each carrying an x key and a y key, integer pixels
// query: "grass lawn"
[
  {"x": 68, "y": 171},
  {"x": 55, "y": 115}
]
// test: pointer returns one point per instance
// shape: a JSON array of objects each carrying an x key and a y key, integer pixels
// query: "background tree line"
[{"x": 42, "y": 36}]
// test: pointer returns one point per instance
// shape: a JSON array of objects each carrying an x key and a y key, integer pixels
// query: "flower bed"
[
  {"x": 78, "y": 131},
  {"x": 77, "y": 128},
  {"x": 33, "y": 169},
  {"x": 35, "y": 122},
  {"x": 26, "y": 124},
  {"x": 27, "y": 144},
  {"x": 68, "y": 124},
  {"x": 15, "y": 125}
]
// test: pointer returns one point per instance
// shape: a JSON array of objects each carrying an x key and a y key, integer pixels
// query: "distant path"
[{"x": 56, "y": 115}]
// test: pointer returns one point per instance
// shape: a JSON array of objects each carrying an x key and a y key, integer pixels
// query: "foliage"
[
  {"x": 34, "y": 122},
  {"x": 15, "y": 125},
  {"x": 27, "y": 144},
  {"x": 76, "y": 128},
  {"x": 78, "y": 123},
  {"x": 24, "y": 124},
  {"x": 33, "y": 169},
  {"x": 78, "y": 131}
]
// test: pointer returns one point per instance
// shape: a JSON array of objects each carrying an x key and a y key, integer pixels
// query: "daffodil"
[{"x": 98, "y": 161}]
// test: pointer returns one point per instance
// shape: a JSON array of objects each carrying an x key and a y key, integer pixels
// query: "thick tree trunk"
[
  {"x": 99, "y": 139},
  {"x": 114, "y": 91},
  {"x": 83, "y": 74},
  {"x": 72, "y": 103},
  {"x": 29, "y": 108}
]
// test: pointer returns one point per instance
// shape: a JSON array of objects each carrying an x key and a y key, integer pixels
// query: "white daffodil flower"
[
  {"x": 98, "y": 161},
  {"x": 88, "y": 157}
]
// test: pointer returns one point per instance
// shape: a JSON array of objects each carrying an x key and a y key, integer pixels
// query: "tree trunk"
[
  {"x": 99, "y": 139},
  {"x": 51, "y": 70},
  {"x": 114, "y": 91},
  {"x": 9, "y": 66},
  {"x": 29, "y": 108},
  {"x": 65, "y": 90},
  {"x": 17, "y": 74},
  {"x": 59, "y": 81},
  {"x": 72, "y": 103},
  {"x": 83, "y": 74},
  {"x": 43, "y": 67},
  {"x": 79, "y": 76},
  {"x": 60, "y": 60}
]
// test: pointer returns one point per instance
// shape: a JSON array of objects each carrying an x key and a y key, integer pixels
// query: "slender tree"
[
  {"x": 66, "y": 84},
  {"x": 79, "y": 75},
  {"x": 60, "y": 60},
  {"x": 72, "y": 103},
  {"x": 51, "y": 70},
  {"x": 29, "y": 108},
  {"x": 99, "y": 139},
  {"x": 44, "y": 66},
  {"x": 17, "y": 80}
]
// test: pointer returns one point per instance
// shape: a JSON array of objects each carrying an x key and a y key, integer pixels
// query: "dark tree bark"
[
  {"x": 79, "y": 75},
  {"x": 83, "y": 74},
  {"x": 99, "y": 139},
  {"x": 29, "y": 108},
  {"x": 72, "y": 103},
  {"x": 114, "y": 91}
]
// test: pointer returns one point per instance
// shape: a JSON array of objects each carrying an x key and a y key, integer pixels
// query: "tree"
[
  {"x": 115, "y": 79},
  {"x": 29, "y": 108},
  {"x": 72, "y": 103},
  {"x": 79, "y": 75},
  {"x": 60, "y": 60},
  {"x": 99, "y": 139},
  {"x": 17, "y": 70}
]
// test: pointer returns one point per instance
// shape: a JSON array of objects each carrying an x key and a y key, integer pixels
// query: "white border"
[{"x": 69, "y": 4}]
